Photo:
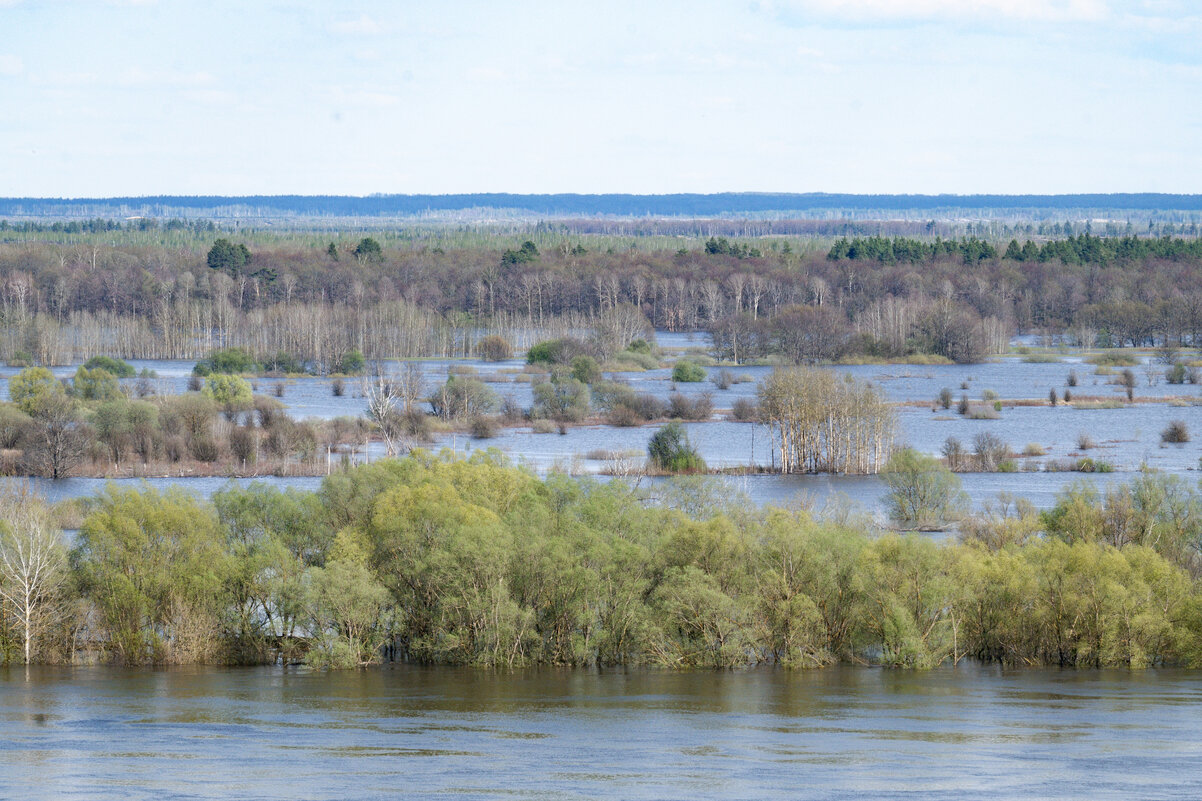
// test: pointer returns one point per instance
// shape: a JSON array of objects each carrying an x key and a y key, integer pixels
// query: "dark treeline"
[
  {"x": 1083, "y": 249},
  {"x": 447, "y": 561},
  {"x": 319, "y": 299},
  {"x": 671, "y": 205}
]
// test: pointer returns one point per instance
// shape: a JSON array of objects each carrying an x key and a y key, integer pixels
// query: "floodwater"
[
  {"x": 844, "y": 733},
  {"x": 1127, "y": 437}
]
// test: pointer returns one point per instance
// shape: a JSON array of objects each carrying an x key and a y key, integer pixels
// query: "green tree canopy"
[{"x": 228, "y": 257}]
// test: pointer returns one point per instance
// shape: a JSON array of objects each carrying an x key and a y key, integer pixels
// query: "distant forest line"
[
  {"x": 687, "y": 205},
  {"x": 143, "y": 291}
]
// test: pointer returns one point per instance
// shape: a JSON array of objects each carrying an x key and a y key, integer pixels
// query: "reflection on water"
[{"x": 971, "y": 732}]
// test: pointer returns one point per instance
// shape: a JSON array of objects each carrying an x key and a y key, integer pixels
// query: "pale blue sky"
[{"x": 924, "y": 96}]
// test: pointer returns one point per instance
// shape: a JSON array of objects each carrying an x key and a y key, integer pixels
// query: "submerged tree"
[
  {"x": 33, "y": 565},
  {"x": 669, "y": 449},
  {"x": 825, "y": 422},
  {"x": 923, "y": 494}
]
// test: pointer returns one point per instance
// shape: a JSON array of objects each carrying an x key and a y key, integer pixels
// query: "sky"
[{"x": 137, "y": 97}]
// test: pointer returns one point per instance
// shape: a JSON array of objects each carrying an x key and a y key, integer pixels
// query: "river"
[{"x": 405, "y": 732}]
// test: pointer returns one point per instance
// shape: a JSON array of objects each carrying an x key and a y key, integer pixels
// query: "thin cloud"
[
  {"x": 364, "y": 26},
  {"x": 892, "y": 11},
  {"x": 11, "y": 65}
]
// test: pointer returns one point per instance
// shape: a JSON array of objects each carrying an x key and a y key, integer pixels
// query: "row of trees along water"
[
  {"x": 441, "y": 560},
  {"x": 94, "y": 424},
  {"x": 394, "y": 294}
]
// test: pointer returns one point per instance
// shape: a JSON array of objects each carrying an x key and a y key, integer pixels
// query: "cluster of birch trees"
[{"x": 824, "y": 422}]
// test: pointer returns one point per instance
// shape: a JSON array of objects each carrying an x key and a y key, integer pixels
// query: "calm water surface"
[
  {"x": 851, "y": 733},
  {"x": 1127, "y": 437}
]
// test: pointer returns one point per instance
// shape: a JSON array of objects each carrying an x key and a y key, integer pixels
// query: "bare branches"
[{"x": 33, "y": 565}]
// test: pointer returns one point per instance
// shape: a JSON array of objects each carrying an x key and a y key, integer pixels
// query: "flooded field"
[{"x": 1126, "y": 437}]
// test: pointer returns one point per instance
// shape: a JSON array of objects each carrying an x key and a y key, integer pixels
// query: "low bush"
[
  {"x": 1176, "y": 433},
  {"x": 687, "y": 372},
  {"x": 493, "y": 348},
  {"x": 116, "y": 367},
  {"x": 745, "y": 410}
]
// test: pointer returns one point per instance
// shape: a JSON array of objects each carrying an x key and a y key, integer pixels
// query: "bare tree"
[
  {"x": 57, "y": 442},
  {"x": 33, "y": 565},
  {"x": 382, "y": 397}
]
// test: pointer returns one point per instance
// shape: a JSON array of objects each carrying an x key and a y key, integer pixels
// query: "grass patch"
[
  {"x": 921, "y": 359},
  {"x": 1093, "y": 405},
  {"x": 1114, "y": 358},
  {"x": 1041, "y": 358}
]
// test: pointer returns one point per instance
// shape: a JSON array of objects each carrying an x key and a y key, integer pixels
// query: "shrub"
[
  {"x": 463, "y": 398},
  {"x": 13, "y": 423},
  {"x": 723, "y": 379},
  {"x": 1114, "y": 358},
  {"x": 622, "y": 416},
  {"x": 649, "y": 407},
  {"x": 337, "y": 387},
  {"x": 117, "y": 367},
  {"x": 983, "y": 413},
  {"x": 483, "y": 427},
  {"x": 229, "y": 360},
  {"x": 494, "y": 348},
  {"x": 990, "y": 450},
  {"x": 95, "y": 384},
  {"x": 586, "y": 370},
  {"x": 639, "y": 346},
  {"x": 282, "y": 362},
  {"x": 563, "y": 400},
  {"x": 1087, "y": 465},
  {"x": 204, "y": 449},
  {"x": 352, "y": 363},
  {"x": 1127, "y": 380},
  {"x": 669, "y": 449},
  {"x": 555, "y": 351},
  {"x": 1177, "y": 374},
  {"x": 744, "y": 410},
  {"x": 1176, "y": 433},
  {"x": 244, "y": 443},
  {"x": 511, "y": 411},
  {"x": 686, "y": 372},
  {"x": 955, "y": 454},
  {"x": 1034, "y": 449},
  {"x": 1071, "y": 380},
  {"x": 683, "y": 408},
  {"x": 20, "y": 358},
  {"x": 229, "y": 392},
  {"x": 923, "y": 494},
  {"x": 1085, "y": 441},
  {"x": 945, "y": 398}
]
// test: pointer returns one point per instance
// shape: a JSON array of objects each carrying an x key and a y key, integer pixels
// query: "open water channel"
[{"x": 842, "y": 733}]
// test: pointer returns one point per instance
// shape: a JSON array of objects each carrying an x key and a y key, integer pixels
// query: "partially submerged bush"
[
  {"x": 116, "y": 367},
  {"x": 230, "y": 360},
  {"x": 494, "y": 348},
  {"x": 1176, "y": 433},
  {"x": 669, "y": 449},
  {"x": 744, "y": 410},
  {"x": 687, "y": 372}
]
